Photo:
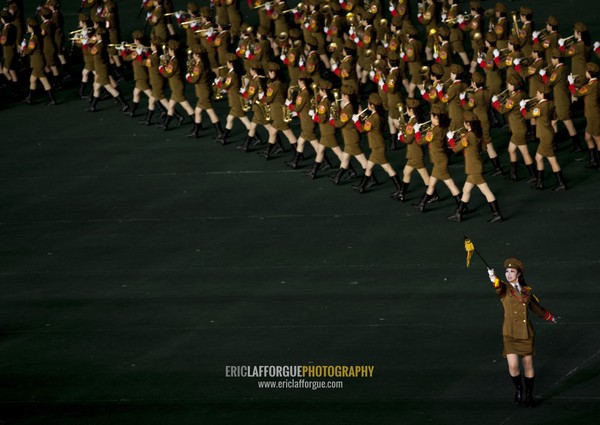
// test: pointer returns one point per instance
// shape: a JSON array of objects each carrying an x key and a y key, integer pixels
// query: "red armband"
[{"x": 549, "y": 316}]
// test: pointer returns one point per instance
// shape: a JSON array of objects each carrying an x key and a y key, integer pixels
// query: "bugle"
[
  {"x": 531, "y": 102},
  {"x": 335, "y": 106},
  {"x": 516, "y": 28},
  {"x": 181, "y": 12},
  {"x": 361, "y": 115},
  {"x": 425, "y": 126},
  {"x": 260, "y": 6},
  {"x": 503, "y": 95},
  {"x": 465, "y": 17}
]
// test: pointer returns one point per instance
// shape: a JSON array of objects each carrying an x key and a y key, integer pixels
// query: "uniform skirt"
[
  {"x": 545, "y": 148},
  {"x": 203, "y": 93},
  {"x": 378, "y": 156},
  {"x": 522, "y": 347},
  {"x": 440, "y": 171},
  {"x": 475, "y": 179},
  {"x": 593, "y": 127},
  {"x": 329, "y": 141}
]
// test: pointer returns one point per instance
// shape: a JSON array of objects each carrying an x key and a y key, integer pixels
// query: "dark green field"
[{"x": 136, "y": 264}]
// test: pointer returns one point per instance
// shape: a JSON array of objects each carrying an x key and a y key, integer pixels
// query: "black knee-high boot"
[
  {"x": 496, "y": 214},
  {"x": 460, "y": 209},
  {"x": 397, "y": 185},
  {"x": 593, "y": 160},
  {"x": 338, "y": 176},
  {"x": 532, "y": 174},
  {"x": 29, "y": 99},
  {"x": 219, "y": 132},
  {"x": 362, "y": 186},
  {"x": 195, "y": 131},
  {"x": 512, "y": 175},
  {"x": 134, "y": 107},
  {"x": 124, "y": 105},
  {"x": 420, "y": 206},
  {"x": 51, "y": 98},
  {"x": 518, "y": 389},
  {"x": 539, "y": 181},
  {"x": 497, "y": 168},
  {"x": 225, "y": 136},
  {"x": 561, "y": 182},
  {"x": 168, "y": 120},
  {"x": 575, "y": 144},
  {"x": 293, "y": 163},
  {"x": 247, "y": 142},
  {"x": 529, "y": 400},
  {"x": 403, "y": 189},
  {"x": 148, "y": 120},
  {"x": 266, "y": 154},
  {"x": 92, "y": 105},
  {"x": 312, "y": 173}
]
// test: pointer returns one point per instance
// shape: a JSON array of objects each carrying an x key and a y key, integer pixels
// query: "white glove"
[
  {"x": 282, "y": 57},
  {"x": 355, "y": 117},
  {"x": 325, "y": 30},
  {"x": 460, "y": 19},
  {"x": 334, "y": 66},
  {"x": 522, "y": 103},
  {"x": 402, "y": 55},
  {"x": 571, "y": 79},
  {"x": 391, "y": 8},
  {"x": 178, "y": 15},
  {"x": 372, "y": 75},
  {"x": 436, "y": 55},
  {"x": 423, "y": 92},
  {"x": 288, "y": 102},
  {"x": 596, "y": 45},
  {"x": 450, "y": 135},
  {"x": 311, "y": 113},
  {"x": 492, "y": 275},
  {"x": 462, "y": 96},
  {"x": 496, "y": 53},
  {"x": 381, "y": 84},
  {"x": 261, "y": 96},
  {"x": 494, "y": 98},
  {"x": 439, "y": 87},
  {"x": 417, "y": 126},
  {"x": 209, "y": 33},
  {"x": 561, "y": 42},
  {"x": 139, "y": 50},
  {"x": 301, "y": 62},
  {"x": 542, "y": 72},
  {"x": 517, "y": 61},
  {"x": 444, "y": 16},
  {"x": 535, "y": 34},
  {"x": 268, "y": 6}
]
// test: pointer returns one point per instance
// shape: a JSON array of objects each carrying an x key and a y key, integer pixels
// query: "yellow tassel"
[{"x": 469, "y": 247}]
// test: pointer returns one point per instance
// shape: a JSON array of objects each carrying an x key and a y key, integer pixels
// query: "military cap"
[
  {"x": 6, "y": 15},
  {"x": 272, "y": 66},
  {"x": 514, "y": 80},
  {"x": 397, "y": 21},
  {"x": 32, "y": 22},
  {"x": 469, "y": 116},
  {"x": 53, "y": 3},
  {"x": 437, "y": 70},
  {"x": 478, "y": 78},
  {"x": 592, "y": 67},
  {"x": 514, "y": 263},
  {"x": 311, "y": 40},
  {"x": 382, "y": 51},
  {"x": 411, "y": 30},
  {"x": 367, "y": 15},
  {"x": 555, "y": 53},
  {"x": 254, "y": 64},
  {"x": 244, "y": 27},
  {"x": 374, "y": 99},
  {"x": 192, "y": 7},
  {"x": 490, "y": 37},
  {"x": 231, "y": 57},
  {"x": 297, "y": 43},
  {"x": 325, "y": 85},
  {"x": 524, "y": 10},
  {"x": 444, "y": 31},
  {"x": 514, "y": 40},
  {"x": 262, "y": 30},
  {"x": 45, "y": 12},
  {"x": 475, "y": 5},
  {"x": 205, "y": 12},
  {"x": 538, "y": 47},
  {"x": 348, "y": 90},
  {"x": 295, "y": 33},
  {"x": 501, "y": 7},
  {"x": 198, "y": 49},
  {"x": 83, "y": 17},
  {"x": 173, "y": 44},
  {"x": 393, "y": 56},
  {"x": 542, "y": 88},
  {"x": 304, "y": 75},
  {"x": 349, "y": 45},
  {"x": 553, "y": 21},
  {"x": 412, "y": 103},
  {"x": 456, "y": 69},
  {"x": 137, "y": 35},
  {"x": 580, "y": 27},
  {"x": 437, "y": 110}
]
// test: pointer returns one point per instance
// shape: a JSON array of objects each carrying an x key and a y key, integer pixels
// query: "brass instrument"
[
  {"x": 191, "y": 21},
  {"x": 466, "y": 17},
  {"x": 182, "y": 12},
  {"x": 526, "y": 61},
  {"x": 425, "y": 127},
  {"x": 260, "y": 6},
  {"x": 314, "y": 100},
  {"x": 571, "y": 39},
  {"x": 436, "y": 41},
  {"x": 204, "y": 30},
  {"x": 335, "y": 107},
  {"x": 265, "y": 109},
  {"x": 458, "y": 134},
  {"x": 287, "y": 113},
  {"x": 543, "y": 34},
  {"x": 503, "y": 95},
  {"x": 81, "y": 30},
  {"x": 516, "y": 28},
  {"x": 402, "y": 120},
  {"x": 361, "y": 115},
  {"x": 244, "y": 103},
  {"x": 216, "y": 91}
]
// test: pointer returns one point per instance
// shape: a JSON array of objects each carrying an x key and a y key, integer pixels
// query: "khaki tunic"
[
  {"x": 327, "y": 130},
  {"x": 275, "y": 97},
  {"x": 470, "y": 146},
  {"x": 302, "y": 105},
  {"x": 350, "y": 134},
  {"x": 455, "y": 109},
  {"x": 516, "y": 122},
  {"x": 531, "y": 74},
  {"x": 100, "y": 55},
  {"x": 232, "y": 85},
  {"x": 372, "y": 127},
  {"x": 579, "y": 55},
  {"x": 436, "y": 138},
  {"x": 157, "y": 81},
  {"x": 544, "y": 113},
  {"x": 49, "y": 46},
  {"x": 493, "y": 80},
  {"x": 393, "y": 85},
  {"x": 8, "y": 39},
  {"x": 159, "y": 25},
  {"x": 255, "y": 88},
  {"x": 413, "y": 58},
  {"x": 197, "y": 74},
  {"x": 172, "y": 72},
  {"x": 36, "y": 56},
  {"x": 560, "y": 91},
  {"x": 479, "y": 102},
  {"x": 414, "y": 151},
  {"x": 59, "y": 34},
  {"x": 347, "y": 69},
  {"x": 140, "y": 72},
  {"x": 591, "y": 108},
  {"x": 517, "y": 329}
]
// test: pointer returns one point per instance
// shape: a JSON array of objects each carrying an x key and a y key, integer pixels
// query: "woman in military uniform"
[
  {"x": 322, "y": 116},
  {"x": 198, "y": 73},
  {"x": 517, "y": 126},
  {"x": 304, "y": 102},
  {"x": 562, "y": 98},
  {"x": 373, "y": 124},
  {"x": 49, "y": 45},
  {"x": 33, "y": 47},
  {"x": 275, "y": 97},
  {"x": 81, "y": 40},
  {"x": 157, "y": 82},
  {"x": 517, "y": 330},
  {"x": 136, "y": 55},
  {"x": 469, "y": 142},
  {"x": 254, "y": 92},
  {"x": 231, "y": 83},
  {"x": 8, "y": 40},
  {"x": 590, "y": 94},
  {"x": 543, "y": 111},
  {"x": 435, "y": 137},
  {"x": 170, "y": 69},
  {"x": 393, "y": 87},
  {"x": 411, "y": 54},
  {"x": 414, "y": 151},
  {"x": 156, "y": 18},
  {"x": 342, "y": 119},
  {"x": 479, "y": 102}
]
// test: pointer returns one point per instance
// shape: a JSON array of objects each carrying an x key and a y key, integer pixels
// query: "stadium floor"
[{"x": 136, "y": 265}]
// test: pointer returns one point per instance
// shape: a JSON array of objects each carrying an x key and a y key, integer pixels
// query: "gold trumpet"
[
  {"x": 192, "y": 21},
  {"x": 260, "y": 6},
  {"x": 335, "y": 110},
  {"x": 182, "y": 12},
  {"x": 265, "y": 109},
  {"x": 503, "y": 95},
  {"x": 466, "y": 17},
  {"x": 287, "y": 113},
  {"x": 361, "y": 115},
  {"x": 516, "y": 28},
  {"x": 402, "y": 120},
  {"x": 81, "y": 30},
  {"x": 244, "y": 103},
  {"x": 425, "y": 127},
  {"x": 204, "y": 30},
  {"x": 571, "y": 39},
  {"x": 543, "y": 34},
  {"x": 531, "y": 102}
]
